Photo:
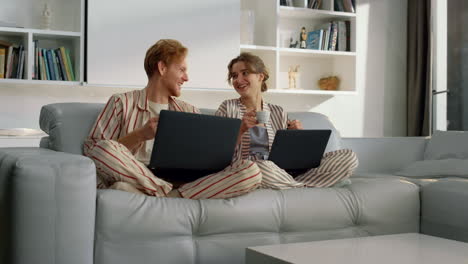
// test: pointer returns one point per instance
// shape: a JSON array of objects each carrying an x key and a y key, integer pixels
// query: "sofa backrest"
[{"x": 68, "y": 124}]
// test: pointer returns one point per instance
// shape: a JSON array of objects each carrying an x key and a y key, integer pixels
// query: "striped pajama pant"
[
  {"x": 117, "y": 168},
  {"x": 334, "y": 167}
]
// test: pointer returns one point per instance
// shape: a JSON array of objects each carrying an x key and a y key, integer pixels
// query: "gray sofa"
[{"x": 51, "y": 212}]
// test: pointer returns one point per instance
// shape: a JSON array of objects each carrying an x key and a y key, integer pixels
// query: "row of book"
[
  {"x": 345, "y": 5},
  {"x": 12, "y": 60},
  {"x": 49, "y": 64},
  {"x": 52, "y": 64},
  {"x": 334, "y": 36}
]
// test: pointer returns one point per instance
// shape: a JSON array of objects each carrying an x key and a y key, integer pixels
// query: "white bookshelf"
[
  {"x": 273, "y": 22},
  {"x": 66, "y": 29}
]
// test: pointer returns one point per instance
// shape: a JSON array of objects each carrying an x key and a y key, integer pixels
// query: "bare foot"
[{"x": 174, "y": 193}]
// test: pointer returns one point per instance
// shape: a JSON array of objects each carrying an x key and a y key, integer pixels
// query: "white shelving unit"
[
  {"x": 274, "y": 23},
  {"x": 67, "y": 30}
]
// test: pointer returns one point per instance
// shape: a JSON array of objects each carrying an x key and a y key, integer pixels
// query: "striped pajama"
[
  {"x": 334, "y": 167},
  {"x": 120, "y": 168}
]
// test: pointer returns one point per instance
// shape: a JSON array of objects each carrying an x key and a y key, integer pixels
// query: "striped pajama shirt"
[
  {"x": 116, "y": 165},
  {"x": 334, "y": 167}
]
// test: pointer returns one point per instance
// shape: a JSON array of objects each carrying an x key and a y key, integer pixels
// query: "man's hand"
[
  {"x": 138, "y": 136},
  {"x": 148, "y": 131},
  {"x": 294, "y": 124}
]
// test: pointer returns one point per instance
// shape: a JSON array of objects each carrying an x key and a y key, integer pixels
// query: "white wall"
[{"x": 378, "y": 109}]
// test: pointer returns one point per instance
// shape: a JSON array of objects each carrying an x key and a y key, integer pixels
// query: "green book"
[{"x": 70, "y": 65}]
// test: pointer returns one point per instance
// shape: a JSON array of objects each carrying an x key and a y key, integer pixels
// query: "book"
[
  {"x": 50, "y": 63},
  {"x": 338, "y": 5},
  {"x": 70, "y": 65},
  {"x": 333, "y": 36},
  {"x": 58, "y": 74},
  {"x": 9, "y": 62},
  {"x": 42, "y": 66},
  {"x": 20, "y": 68},
  {"x": 348, "y": 35},
  {"x": 35, "y": 74},
  {"x": 341, "y": 36},
  {"x": 2, "y": 62},
  {"x": 348, "y": 6},
  {"x": 63, "y": 71},
  {"x": 15, "y": 61},
  {"x": 314, "y": 39},
  {"x": 65, "y": 62}
]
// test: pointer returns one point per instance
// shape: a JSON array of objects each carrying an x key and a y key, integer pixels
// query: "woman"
[{"x": 248, "y": 75}]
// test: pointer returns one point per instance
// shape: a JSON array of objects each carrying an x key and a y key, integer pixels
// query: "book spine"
[
  {"x": 341, "y": 36},
  {"x": 70, "y": 65},
  {"x": 46, "y": 63},
  {"x": 35, "y": 74},
  {"x": 334, "y": 36},
  {"x": 21, "y": 62},
  {"x": 65, "y": 62},
  {"x": 58, "y": 77},
  {"x": 2, "y": 63},
  {"x": 14, "y": 67},
  {"x": 42, "y": 65},
  {"x": 63, "y": 70},
  {"x": 348, "y": 35},
  {"x": 9, "y": 62},
  {"x": 50, "y": 61},
  {"x": 18, "y": 65}
]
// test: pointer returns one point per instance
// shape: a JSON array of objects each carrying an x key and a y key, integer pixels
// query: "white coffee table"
[{"x": 411, "y": 248}]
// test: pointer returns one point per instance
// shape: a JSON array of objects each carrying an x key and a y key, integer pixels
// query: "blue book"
[
  {"x": 46, "y": 63},
  {"x": 314, "y": 39},
  {"x": 50, "y": 61}
]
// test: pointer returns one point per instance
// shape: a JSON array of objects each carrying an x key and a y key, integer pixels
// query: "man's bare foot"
[{"x": 174, "y": 193}]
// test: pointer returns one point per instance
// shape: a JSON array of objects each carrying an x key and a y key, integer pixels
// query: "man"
[{"x": 121, "y": 141}]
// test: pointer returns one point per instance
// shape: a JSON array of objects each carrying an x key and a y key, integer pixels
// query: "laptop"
[
  {"x": 188, "y": 146},
  {"x": 297, "y": 151}
]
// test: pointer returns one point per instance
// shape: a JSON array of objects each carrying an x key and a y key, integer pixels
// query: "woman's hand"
[
  {"x": 295, "y": 124},
  {"x": 248, "y": 120}
]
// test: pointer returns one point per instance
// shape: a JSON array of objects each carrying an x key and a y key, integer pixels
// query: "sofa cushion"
[
  {"x": 444, "y": 167},
  {"x": 446, "y": 145},
  {"x": 444, "y": 209},
  {"x": 132, "y": 228}
]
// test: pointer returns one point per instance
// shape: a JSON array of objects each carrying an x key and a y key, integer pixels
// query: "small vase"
[{"x": 46, "y": 17}]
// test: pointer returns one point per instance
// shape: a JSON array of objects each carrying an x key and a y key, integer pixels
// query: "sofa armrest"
[
  {"x": 47, "y": 206},
  {"x": 387, "y": 154}
]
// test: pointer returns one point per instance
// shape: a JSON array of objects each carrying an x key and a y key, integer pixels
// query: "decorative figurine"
[
  {"x": 293, "y": 44},
  {"x": 303, "y": 38},
  {"x": 46, "y": 14},
  {"x": 292, "y": 74}
]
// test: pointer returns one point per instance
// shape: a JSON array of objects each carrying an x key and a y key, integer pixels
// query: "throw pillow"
[
  {"x": 447, "y": 145},
  {"x": 319, "y": 121},
  {"x": 445, "y": 167}
]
